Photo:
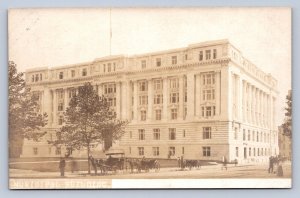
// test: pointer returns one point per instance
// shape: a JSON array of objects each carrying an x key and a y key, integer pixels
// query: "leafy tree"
[
  {"x": 88, "y": 122},
  {"x": 24, "y": 119},
  {"x": 287, "y": 125}
]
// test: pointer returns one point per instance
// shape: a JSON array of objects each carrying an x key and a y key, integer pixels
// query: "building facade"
[{"x": 204, "y": 101}]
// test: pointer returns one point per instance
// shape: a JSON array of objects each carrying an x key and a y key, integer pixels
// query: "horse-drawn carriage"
[{"x": 116, "y": 161}]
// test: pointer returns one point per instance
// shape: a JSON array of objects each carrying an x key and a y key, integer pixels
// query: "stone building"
[{"x": 204, "y": 101}]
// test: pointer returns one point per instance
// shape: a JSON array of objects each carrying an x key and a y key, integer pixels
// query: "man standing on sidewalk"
[{"x": 62, "y": 165}]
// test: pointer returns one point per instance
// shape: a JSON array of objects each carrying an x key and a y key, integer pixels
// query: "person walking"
[
  {"x": 224, "y": 160},
  {"x": 271, "y": 164},
  {"x": 62, "y": 165}
]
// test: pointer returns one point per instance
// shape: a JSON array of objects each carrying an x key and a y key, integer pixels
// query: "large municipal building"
[{"x": 203, "y": 101}]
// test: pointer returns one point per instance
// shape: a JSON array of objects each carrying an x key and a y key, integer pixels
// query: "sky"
[{"x": 56, "y": 37}]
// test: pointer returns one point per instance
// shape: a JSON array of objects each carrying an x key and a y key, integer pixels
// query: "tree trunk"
[{"x": 88, "y": 156}]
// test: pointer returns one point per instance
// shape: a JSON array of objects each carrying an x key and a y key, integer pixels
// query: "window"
[
  {"x": 143, "y": 100},
  {"x": 32, "y": 78},
  {"x": 158, "y": 62},
  {"x": 141, "y": 151},
  {"x": 61, "y": 75},
  {"x": 253, "y": 135},
  {"x": 254, "y": 152},
  {"x": 141, "y": 134},
  {"x": 129, "y": 150},
  {"x": 72, "y": 93},
  {"x": 208, "y": 111},
  {"x": 158, "y": 99},
  {"x": 60, "y": 106},
  {"x": 235, "y": 133},
  {"x": 158, "y": 84},
  {"x": 155, "y": 151},
  {"x": 249, "y": 152},
  {"x": 201, "y": 56},
  {"x": 41, "y": 77},
  {"x": 182, "y": 150},
  {"x": 109, "y": 67},
  {"x": 185, "y": 96},
  {"x": 58, "y": 151},
  {"x": 209, "y": 94},
  {"x": 143, "y": 86},
  {"x": 111, "y": 102},
  {"x": 36, "y": 77},
  {"x": 84, "y": 72},
  {"x": 206, "y": 151},
  {"x": 143, "y": 115},
  {"x": 174, "y": 60},
  {"x": 173, "y": 114},
  {"x": 206, "y": 132},
  {"x": 104, "y": 68},
  {"x": 60, "y": 94},
  {"x": 257, "y": 136},
  {"x": 174, "y": 83},
  {"x": 156, "y": 134},
  {"x": 207, "y": 54},
  {"x": 208, "y": 79},
  {"x": 72, "y": 73},
  {"x": 110, "y": 88},
  {"x": 60, "y": 120},
  {"x": 172, "y": 133},
  {"x": 244, "y": 134},
  {"x": 185, "y": 112},
  {"x": 249, "y": 138},
  {"x": 143, "y": 63},
  {"x": 185, "y": 57},
  {"x": 114, "y": 66},
  {"x": 183, "y": 133},
  {"x": 236, "y": 151},
  {"x": 174, "y": 98},
  {"x": 171, "y": 151},
  {"x": 214, "y": 53},
  {"x": 158, "y": 114},
  {"x": 35, "y": 150}
]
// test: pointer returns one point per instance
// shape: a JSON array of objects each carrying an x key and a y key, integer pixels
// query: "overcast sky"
[{"x": 55, "y": 37}]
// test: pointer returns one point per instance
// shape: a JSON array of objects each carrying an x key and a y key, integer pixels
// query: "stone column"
[
  {"x": 100, "y": 90},
  {"x": 165, "y": 98},
  {"x": 66, "y": 98},
  {"x": 54, "y": 116},
  {"x": 217, "y": 91},
  {"x": 118, "y": 99},
  {"x": 47, "y": 100},
  {"x": 240, "y": 98},
  {"x": 244, "y": 102},
  {"x": 198, "y": 91},
  {"x": 135, "y": 104},
  {"x": 125, "y": 85},
  {"x": 181, "y": 98},
  {"x": 129, "y": 106},
  {"x": 150, "y": 100},
  {"x": 190, "y": 96}
]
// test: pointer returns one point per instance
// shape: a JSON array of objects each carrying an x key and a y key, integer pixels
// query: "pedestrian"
[
  {"x": 279, "y": 170},
  {"x": 74, "y": 166},
  {"x": 181, "y": 163},
  {"x": 271, "y": 164},
  {"x": 224, "y": 160},
  {"x": 62, "y": 165},
  {"x": 235, "y": 162}
]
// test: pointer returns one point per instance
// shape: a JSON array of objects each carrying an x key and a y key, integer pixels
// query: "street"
[{"x": 213, "y": 171}]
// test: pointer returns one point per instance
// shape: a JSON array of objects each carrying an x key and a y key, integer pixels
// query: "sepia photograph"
[{"x": 137, "y": 98}]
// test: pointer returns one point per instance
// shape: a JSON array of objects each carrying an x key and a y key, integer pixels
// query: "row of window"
[
  {"x": 206, "y": 151},
  {"x": 73, "y": 73},
  {"x": 174, "y": 61},
  {"x": 172, "y": 133},
  {"x": 36, "y": 77},
  {"x": 252, "y": 152},
  {"x": 57, "y": 151},
  {"x": 255, "y": 136}
]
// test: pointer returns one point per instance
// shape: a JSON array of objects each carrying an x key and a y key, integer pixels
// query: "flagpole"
[{"x": 110, "y": 31}]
